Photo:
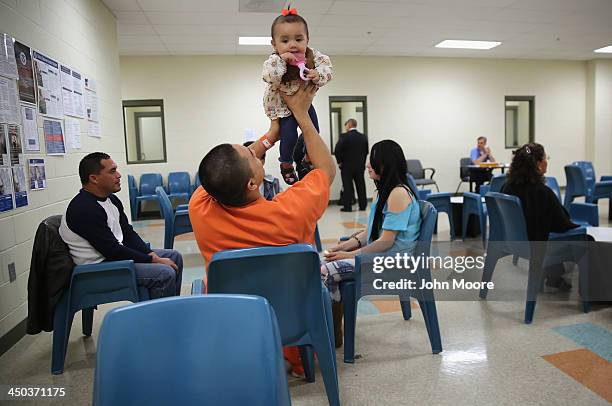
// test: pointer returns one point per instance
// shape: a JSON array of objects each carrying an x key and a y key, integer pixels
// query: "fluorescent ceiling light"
[
  {"x": 254, "y": 40},
  {"x": 604, "y": 50},
  {"x": 464, "y": 44}
]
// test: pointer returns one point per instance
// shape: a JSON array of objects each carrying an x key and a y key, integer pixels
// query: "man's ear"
[
  {"x": 93, "y": 179},
  {"x": 252, "y": 185}
]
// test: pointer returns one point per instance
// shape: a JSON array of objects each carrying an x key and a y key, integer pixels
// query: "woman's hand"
[{"x": 337, "y": 255}]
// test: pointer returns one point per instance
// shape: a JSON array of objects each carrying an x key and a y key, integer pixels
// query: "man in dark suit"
[{"x": 351, "y": 152}]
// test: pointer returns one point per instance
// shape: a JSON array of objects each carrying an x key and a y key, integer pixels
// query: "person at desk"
[{"x": 480, "y": 154}]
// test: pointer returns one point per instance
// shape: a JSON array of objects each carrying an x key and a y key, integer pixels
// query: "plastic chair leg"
[
  {"x": 406, "y": 310},
  {"x": 534, "y": 282},
  {"x": 515, "y": 259},
  {"x": 487, "y": 272},
  {"x": 349, "y": 302},
  {"x": 452, "y": 224},
  {"x": 87, "y": 315},
  {"x": 326, "y": 354},
  {"x": 529, "y": 310},
  {"x": 307, "y": 356},
  {"x": 464, "y": 223},
  {"x": 62, "y": 323},
  {"x": 430, "y": 315}
]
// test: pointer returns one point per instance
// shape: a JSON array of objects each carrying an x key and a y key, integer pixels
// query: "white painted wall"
[
  {"x": 434, "y": 107},
  {"x": 81, "y": 34},
  {"x": 602, "y": 120}
]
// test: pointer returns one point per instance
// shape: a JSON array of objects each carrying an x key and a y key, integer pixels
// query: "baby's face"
[{"x": 290, "y": 37}]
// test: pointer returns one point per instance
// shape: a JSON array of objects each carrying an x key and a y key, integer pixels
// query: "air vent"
[{"x": 261, "y": 6}]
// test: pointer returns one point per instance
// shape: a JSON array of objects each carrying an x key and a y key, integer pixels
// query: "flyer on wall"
[
  {"x": 54, "y": 137},
  {"x": 15, "y": 144},
  {"x": 78, "y": 98},
  {"x": 20, "y": 186},
  {"x": 30, "y": 128},
  {"x": 8, "y": 67},
  {"x": 72, "y": 128},
  {"x": 47, "y": 74},
  {"x": 38, "y": 177},
  {"x": 4, "y": 156},
  {"x": 66, "y": 80},
  {"x": 6, "y": 190},
  {"x": 9, "y": 101},
  {"x": 91, "y": 106},
  {"x": 27, "y": 88}
]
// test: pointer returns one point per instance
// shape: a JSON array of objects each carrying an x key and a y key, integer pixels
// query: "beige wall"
[
  {"x": 81, "y": 34},
  {"x": 434, "y": 107}
]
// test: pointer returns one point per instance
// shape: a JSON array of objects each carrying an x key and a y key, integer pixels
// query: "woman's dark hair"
[
  {"x": 387, "y": 160},
  {"x": 524, "y": 167}
]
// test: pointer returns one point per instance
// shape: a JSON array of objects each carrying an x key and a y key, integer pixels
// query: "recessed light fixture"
[
  {"x": 254, "y": 40},
  {"x": 466, "y": 44},
  {"x": 604, "y": 50}
]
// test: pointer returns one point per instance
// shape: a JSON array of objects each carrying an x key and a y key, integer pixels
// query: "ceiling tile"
[
  {"x": 199, "y": 39},
  {"x": 139, "y": 39},
  {"x": 135, "y": 29},
  {"x": 213, "y": 6},
  {"x": 131, "y": 17},
  {"x": 122, "y": 5}
]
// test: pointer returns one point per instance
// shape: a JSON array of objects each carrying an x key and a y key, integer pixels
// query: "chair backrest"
[
  {"x": 507, "y": 222},
  {"x": 288, "y": 276},
  {"x": 576, "y": 183},
  {"x": 464, "y": 171},
  {"x": 589, "y": 174},
  {"x": 412, "y": 183},
  {"x": 148, "y": 183},
  {"x": 552, "y": 183},
  {"x": 497, "y": 182},
  {"x": 205, "y": 349},
  {"x": 179, "y": 182},
  {"x": 415, "y": 168},
  {"x": 428, "y": 223},
  {"x": 165, "y": 204},
  {"x": 131, "y": 182},
  {"x": 196, "y": 182}
]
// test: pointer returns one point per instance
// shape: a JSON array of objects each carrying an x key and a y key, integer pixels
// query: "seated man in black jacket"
[{"x": 96, "y": 229}]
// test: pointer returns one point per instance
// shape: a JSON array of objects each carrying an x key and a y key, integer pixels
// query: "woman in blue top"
[{"x": 394, "y": 221}]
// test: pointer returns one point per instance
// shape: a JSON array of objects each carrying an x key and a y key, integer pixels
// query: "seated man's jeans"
[{"x": 161, "y": 280}]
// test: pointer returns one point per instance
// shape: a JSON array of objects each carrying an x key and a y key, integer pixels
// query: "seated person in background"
[
  {"x": 270, "y": 186},
  {"x": 229, "y": 212},
  {"x": 96, "y": 229},
  {"x": 542, "y": 210},
  {"x": 481, "y": 153}
]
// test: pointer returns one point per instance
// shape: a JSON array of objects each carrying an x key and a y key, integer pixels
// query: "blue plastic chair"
[
  {"x": 497, "y": 182},
  {"x": 317, "y": 238},
  {"x": 91, "y": 285},
  {"x": 581, "y": 213},
  {"x": 210, "y": 350},
  {"x": 442, "y": 203},
  {"x": 133, "y": 193},
  {"x": 179, "y": 185},
  {"x": 148, "y": 183},
  {"x": 196, "y": 182},
  {"x": 582, "y": 182},
  {"x": 472, "y": 205},
  {"x": 176, "y": 222},
  {"x": 508, "y": 236},
  {"x": 484, "y": 189},
  {"x": 289, "y": 277},
  {"x": 351, "y": 291}
]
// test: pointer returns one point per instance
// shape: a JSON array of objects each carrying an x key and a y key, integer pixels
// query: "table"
[{"x": 484, "y": 168}]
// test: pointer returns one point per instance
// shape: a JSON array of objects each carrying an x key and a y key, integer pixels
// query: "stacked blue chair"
[
  {"x": 148, "y": 183},
  {"x": 497, "y": 182},
  {"x": 90, "y": 285},
  {"x": 175, "y": 222},
  {"x": 179, "y": 186},
  {"x": 317, "y": 238},
  {"x": 209, "y": 350},
  {"x": 133, "y": 193},
  {"x": 484, "y": 189},
  {"x": 581, "y": 181},
  {"x": 289, "y": 277},
  {"x": 508, "y": 236},
  {"x": 351, "y": 291},
  {"x": 581, "y": 213},
  {"x": 442, "y": 203},
  {"x": 472, "y": 205}
]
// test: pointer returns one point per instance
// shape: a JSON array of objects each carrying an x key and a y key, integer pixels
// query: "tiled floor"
[{"x": 489, "y": 356}]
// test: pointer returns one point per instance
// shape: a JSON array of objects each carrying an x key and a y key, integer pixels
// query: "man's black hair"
[
  {"x": 91, "y": 164},
  {"x": 224, "y": 174}
]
